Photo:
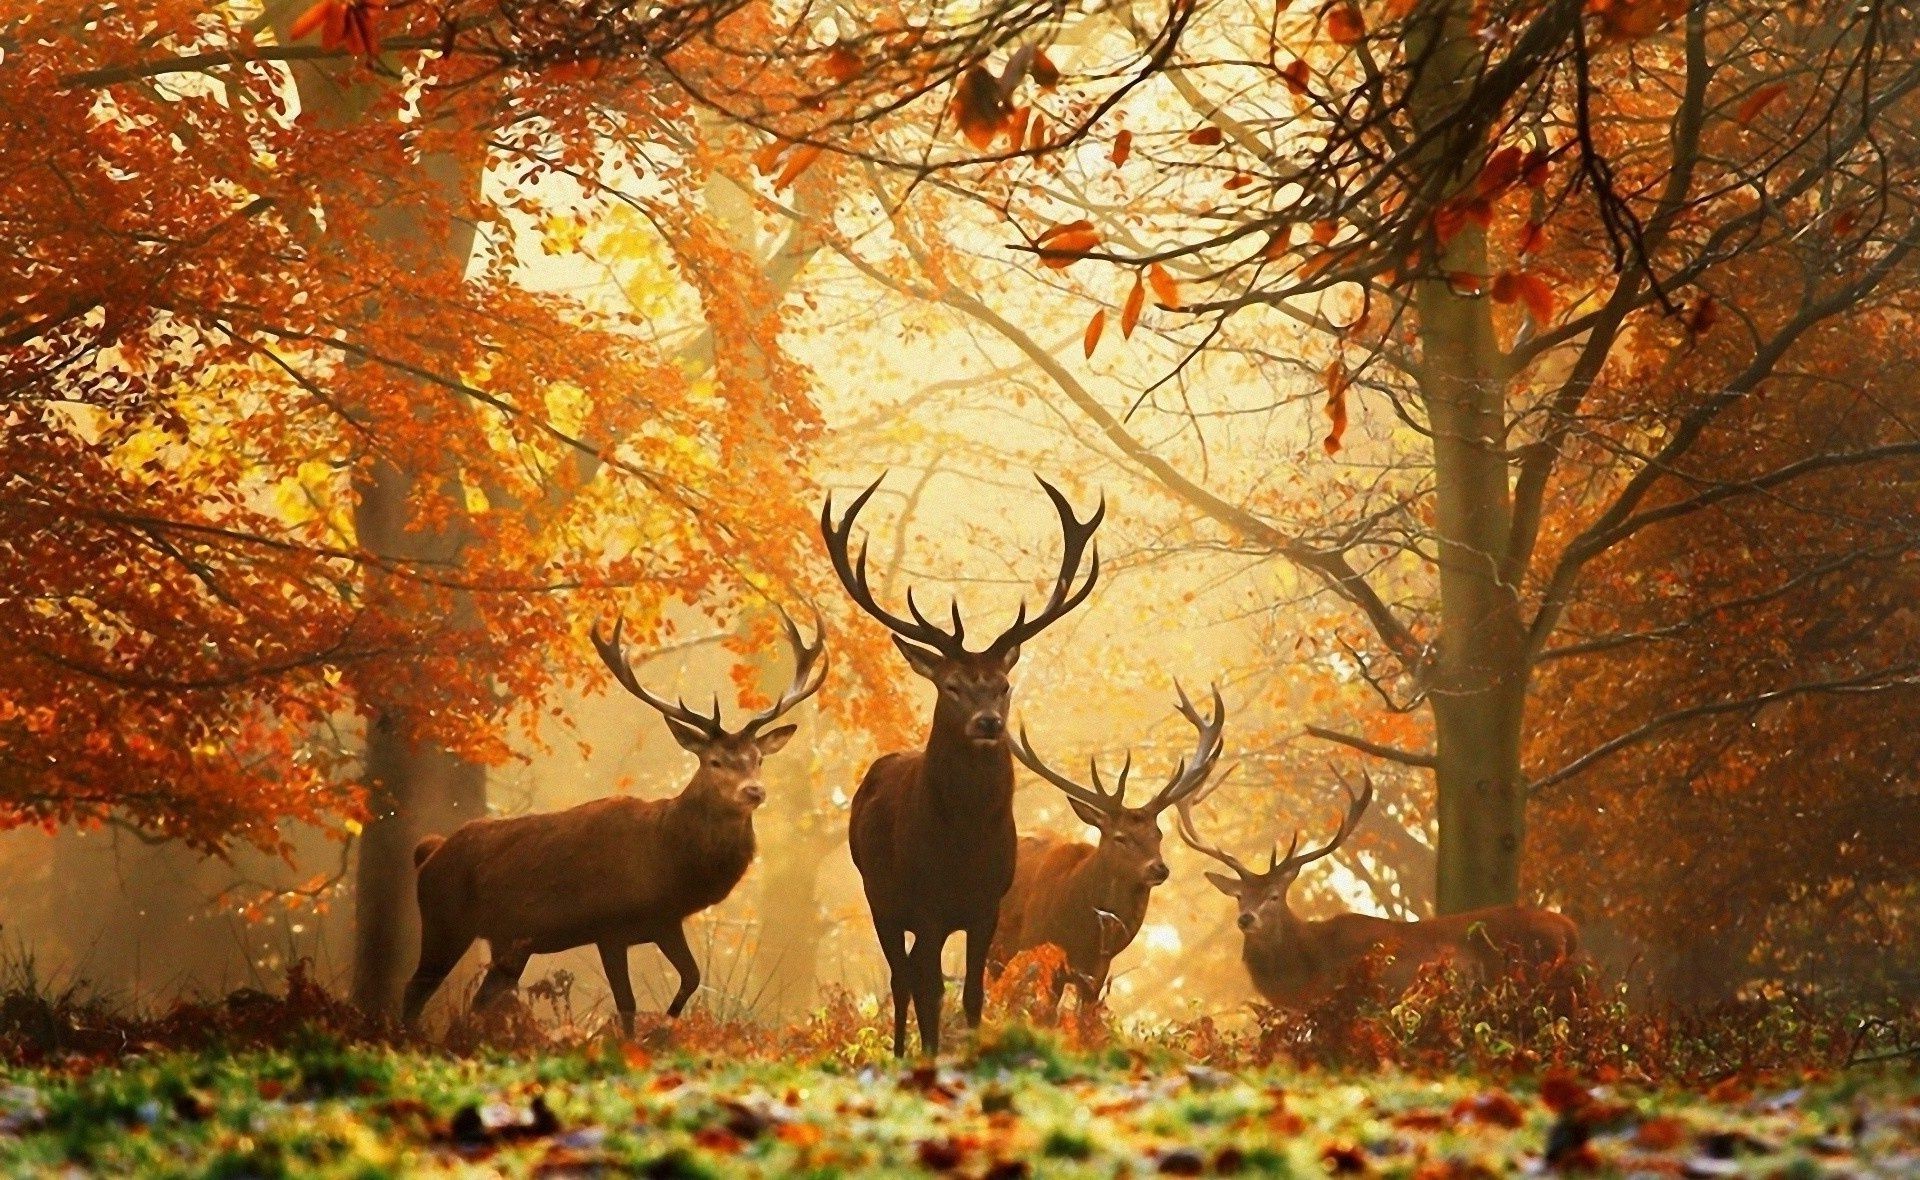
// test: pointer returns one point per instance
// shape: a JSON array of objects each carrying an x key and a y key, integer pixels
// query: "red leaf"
[
  {"x": 1130, "y": 314},
  {"x": 1043, "y": 71},
  {"x": 1166, "y": 292},
  {"x": 1295, "y": 76},
  {"x": 1095, "y": 326},
  {"x": 1501, "y": 170},
  {"x": 765, "y": 159},
  {"x": 1533, "y": 235},
  {"x": 1345, "y": 25},
  {"x": 1122, "y": 148},
  {"x": 1205, "y": 136},
  {"x": 843, "y": 65},
  {"x": 1495, "y": 1107},
  {"x": 1017, "y": 127},
  {"x": 1529, "y": 289},
  {"x": 1238, "y": 180},
  {"x": 1063, "y": 248},
  {"x": 1533, "y": 170},
  {"x": 1036, "y": 131},
  {"x": 1634, "y": 19},
  {"x": 1324, "y": 231},
  {"x": 802, "y": 158},
  {"x": 978, "y": 108},
  {"x": 1757, "y": 102},
  {"x": 1065, "y": 227},
  {"x": 1337, "y": 382},
  {"x": 311, "y": 20},
  {"x": 1279, "y": 241}
]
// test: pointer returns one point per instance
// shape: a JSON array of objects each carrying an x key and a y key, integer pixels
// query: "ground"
[{"x": 1016, "y": 1106}]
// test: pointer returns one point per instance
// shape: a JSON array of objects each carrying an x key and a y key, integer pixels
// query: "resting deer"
[
  {"x": 932, "y": 831},
  {"x": 1295, "y": 961},
  {"x": 614, "y": 872},
  {"x": 1090, "y": 900}
]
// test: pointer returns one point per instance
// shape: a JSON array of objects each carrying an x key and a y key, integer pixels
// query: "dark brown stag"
[
  {"x": 614, "y": 872},
  {"x": 1296, "y": 961},
  {"x": 932, "y": 831},
  {"x": 1090, "y": 900}
]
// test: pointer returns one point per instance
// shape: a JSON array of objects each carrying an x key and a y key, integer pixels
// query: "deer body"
[
  {"x": 1294, "y": 962},
  {"x": 932, "y": 832},
  {"x": 614, "y": 873},
  {"x": 1090, "y": 900}
]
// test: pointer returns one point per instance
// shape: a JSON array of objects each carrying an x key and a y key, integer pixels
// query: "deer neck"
[
  {"x": 1293, "y": 955},
  {"x": 700, "y": 821},
  {"x": 1097, "y": 881},
  {"x": 962, "y": 773}
]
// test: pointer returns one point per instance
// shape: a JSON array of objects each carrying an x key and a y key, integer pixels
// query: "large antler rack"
[
  {"x": 1188, "y": 776},
  {"x": 809, "y": 673}
]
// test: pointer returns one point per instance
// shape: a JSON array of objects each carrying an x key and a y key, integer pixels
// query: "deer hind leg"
[
  {"x": 503, "y": 977},
  {"x": 893, "y": 944},
  {"x": 973, "y": 996},
  {"x": 613, "y": 960},
  {"x": 923, "y": 964},
  {"x": 673, "y": 945},
  {"x": 440, "y": 949}
]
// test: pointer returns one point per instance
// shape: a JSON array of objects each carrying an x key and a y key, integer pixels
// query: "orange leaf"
[
  {"x": 1017, "y": 128},
  {"x": 768, "y": 156},
  {"x": 978, "y": 108},
  {"x": 1095, "y": 326},
  {"x": 1122, "y": 148},
  {"x": 1757, "y": 102},
  {"x": 1533, "y": 235},
  {"x": 1166, "y": 292},
  {"x": 800, "y": 1134},
  {"x": 1537, "y": 295},
  {"x": 1324, "y": 231},
  {"x": 1501, "y": 170},
  {"x": 803, "y": 156},
  {"x": 1130, "y": 314},
  {"x": 1295, "y": 76},
  {"x": 1279, "y": 241},
  {"x": 1238, "y": 180},
  {"x": 1634, "y": 19},
  {"x": 844, "y": 65},
  {"x": 1036, "y": 131},
  {"x": 311, "y": 20},
  {"x": 1345, "y": 25},
  {"x": 1065, "y": 248},
  {"x": 1337, "y": 382},
  {"x": 1205, "y": 136},
  {"x": 1065, "y": 227},
  {"x": 1043, "y": 71}
]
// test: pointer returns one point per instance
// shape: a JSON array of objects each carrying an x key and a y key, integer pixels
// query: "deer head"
[
  {"x": 1263, "y": 896},
  {"x": 729, "y": 772},
  {"x": 974, "y": 687},
  {"x": 1130, "y": 836}
]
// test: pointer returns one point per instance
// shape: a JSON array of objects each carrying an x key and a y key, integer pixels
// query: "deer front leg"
[
  {"x": 613, "y": 960},
  {"x": 973, "y": 996},
  {"x": 503, "y": 976},
  {"x": 673, "y": 945}
]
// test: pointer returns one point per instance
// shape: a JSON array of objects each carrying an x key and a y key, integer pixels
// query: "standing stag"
[
  {"x": 932, "y": 831},
  {"x": 1090, "y": 900},
  {"x": 614, "y": 872},
  {"x": 1295, "y": 961}
]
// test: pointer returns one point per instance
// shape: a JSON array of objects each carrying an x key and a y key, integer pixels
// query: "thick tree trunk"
[{"x": 1478, "y": 687}]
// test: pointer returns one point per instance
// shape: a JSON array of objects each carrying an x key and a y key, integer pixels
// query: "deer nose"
[
  {"x": 1156, "y": 872},
  {"x": 1246, "y": 921},
  {"x": 754, "y": 794},
  {"x": 988, "y": 725}
]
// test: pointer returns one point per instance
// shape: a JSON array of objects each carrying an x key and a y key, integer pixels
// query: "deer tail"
[{"x": 426, "y": 848}]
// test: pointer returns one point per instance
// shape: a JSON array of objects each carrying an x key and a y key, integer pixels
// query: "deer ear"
[
  {"x": 1225, "y": 884},
  {"x": 1009, "y": 658},
  {"x": 1097, "y": 818},
  {"x": 923, "y": 660},
  {"x": 690, "y": 739},
  {"x": 771, "y": 741}
]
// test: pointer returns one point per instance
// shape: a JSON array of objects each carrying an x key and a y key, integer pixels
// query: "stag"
[
  {"x": 1090, "y": 900},
  {"x": 614, "y": 872},
  {"x": 931, "y": 831},
  {"x": 1295, "y": 961}
]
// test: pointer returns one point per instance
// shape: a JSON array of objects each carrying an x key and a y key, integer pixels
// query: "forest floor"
[{"x": 1014, "y": 1105}]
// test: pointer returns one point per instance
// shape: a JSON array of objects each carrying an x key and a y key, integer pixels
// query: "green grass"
[{"x": 327, "y": 1108}]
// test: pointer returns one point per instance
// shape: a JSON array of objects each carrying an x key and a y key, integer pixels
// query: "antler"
[
  {"x": 1191, "y": 774},
  {"x": 701, "y": 726},
  {"x": 853, "y": 575},
  {"x": 1076, "y": 534},
  {"x": 1183, "y": 808},
  {"x": 804, "y": 659},
  {"x": 1097, "y": 797},
  {"x": 1356, "y": 806}
]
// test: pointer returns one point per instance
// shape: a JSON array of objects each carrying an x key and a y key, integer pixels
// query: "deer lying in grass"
[
  {"x": 1090, "y": 900},
  {"x": 1296, "y": 961},
  {"x": 614, "y": 872},
  {"x": 931, "y": 831}
]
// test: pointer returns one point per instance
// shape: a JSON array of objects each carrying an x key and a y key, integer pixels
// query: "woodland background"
[{"x": 1514, "y": 399}]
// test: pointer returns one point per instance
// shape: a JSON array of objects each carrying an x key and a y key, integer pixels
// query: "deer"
[
  {"x": 1089, "y": 900},
  {"x": 1295, "y": 962},
  {"x": 932, "y": 830},
  {"x": 615, "y": 872}
]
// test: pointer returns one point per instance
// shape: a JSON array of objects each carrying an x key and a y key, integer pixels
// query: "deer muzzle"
[
  {"x": 753, "y": 794},
  {"x": 1248, "y": 921},
  {"x": 986, "y": 727},
  {"x": 1157, "y": 873}
]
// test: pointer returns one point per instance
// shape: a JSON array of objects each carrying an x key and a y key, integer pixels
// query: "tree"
[{"x": 1472, "y": 228}]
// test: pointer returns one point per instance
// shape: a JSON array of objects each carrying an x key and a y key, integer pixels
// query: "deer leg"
[
  {"x": 893, "y": 944},
  {"x": 673, "y": 944},
  {"x": 439, "y": 951},
  {"x": 613, "y": 960},
  {"x": 503, "y": 976},
  {"x": 974, "y": 990},
  {"x": 924, "y": 964}
]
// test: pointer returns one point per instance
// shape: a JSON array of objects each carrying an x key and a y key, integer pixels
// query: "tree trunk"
[{"x": 1478, "y": 686}]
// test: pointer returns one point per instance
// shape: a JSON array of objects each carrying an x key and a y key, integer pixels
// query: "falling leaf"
[
  {"x": 1205, "y": 136},
  {"x": 1758, "y": 101},
  {"x": 1122, "y": 148},
  {"x": 1345, "y": 26},
  {"x": 1095, "y": 326},
  {"x": 1130, "y": 314},
  {"x": 978, "y": 108},
  {"x": 1337, "y": 382},
  {"x": 1166, "y": 292}
]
